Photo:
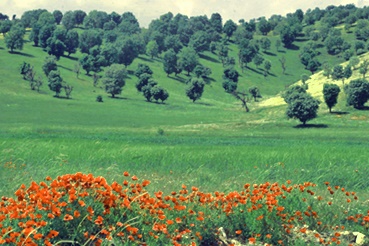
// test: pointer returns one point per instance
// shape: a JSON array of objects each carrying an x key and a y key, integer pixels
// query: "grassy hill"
[{"x": 206, "y": 143}]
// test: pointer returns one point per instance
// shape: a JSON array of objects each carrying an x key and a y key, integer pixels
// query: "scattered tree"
[
  {"x": 282, "y": 61},
  {"x": 114, "y": 79},
  {"x": 289, "y": 94},
  {"x": 170, "y": 62},
  {"x": 330, "y": 93},
  {"x": 24, "y": 68},
  {"x": 229, "y": 27},
  {"x": 152, "y": 49},
  {"x": 55, "y": 82},
  {"x": 159, "y": 93},
  {"x": 188, "y": 59},
  {"x": 141, "y": 69},
  {"x": 195, "y": 89},
  {"x": 258, "y": 60},
  {"x": 242, "y": 96},
  {"x": 14, "y": 38},
  {"x": 255, "y": 92},
  {"x": 265, "y": 43},
  {"x": 68, "y": 90},
  {"x": 49, "y": 65},
  {"x": 364, "y": 67},
  {"x": 354, "y": 61},
  {"x": 357, "y": 92},
  {"x": 303, "y": 107}
]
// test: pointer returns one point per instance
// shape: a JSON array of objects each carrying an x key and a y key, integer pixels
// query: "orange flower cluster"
[{"x": 80, "y": 208}]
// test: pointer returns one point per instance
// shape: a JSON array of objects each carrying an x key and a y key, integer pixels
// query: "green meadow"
[{"x": 212, "y": 143}]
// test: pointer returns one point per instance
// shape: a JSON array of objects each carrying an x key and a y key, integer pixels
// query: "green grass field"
[{"x": 212, "y": 143}]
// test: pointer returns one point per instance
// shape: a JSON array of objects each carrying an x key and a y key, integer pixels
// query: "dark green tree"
[
  {"x": 159, "y": 93},
  {"x": 229, "y": 27},
  {"x": 114, "y": 79},
  {"x": 14, "y": 38},
  {"x": 141, "y": 69},
  {"x": 313, "y": 65},
  {"x": 55, "y": 82},
  {"x": 231, "y": 73},
  {"x": 79, "y": 17},
  {"x": 216, "y": 22},
  {"x": 170, "y": 62},
  {"x": 347, "y": 73},
  {"x": 303, "y": 107},
  {"x": 264, "y": 26},
  {"x": 58, "y": 16},
  {"x": 69, "y": 20},
  {"x": 188, "y": 59},
  {"x": 35, "y": 32},
  {"x": 173, "y": 42},
  {"x": 229, "y": 85},
  {"x": 152, "y": 49},
  {"x": 143, "y": 80},
  {"x": 55, "y": 47},
  {"x": 364, "y": 67},
  {"x": 255, "y": 92},
  {"x": 289, "y": 94},
  {"x": 265, "y": 43},
  {"x": 199, "y": 41},
  {"x": 89, "y": 39},
  {"x": 5, "y": 26},
  {"x": 330, "y": 93},
  {"x": 357, "y": 92},
  {"x": 337, "y": 72},
  {"x": 354, "y": 61},
  {"x": 258, "y": 60},
  {"x": 201, "y": 71},
  {"x": 195, "y": 89},
  {"x": 49, "y": 65},
  {"x": 71, "y": 42},
  {"x": 128, "y": 50},
  {"x": 92, "y": 61},
  {"x": 287, "y": 35},
  {"x": 46, "y": 32},
  {"x": 24, "y": 69}
]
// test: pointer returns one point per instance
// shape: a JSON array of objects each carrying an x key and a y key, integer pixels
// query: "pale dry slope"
[{"x": 315, "y": 83}]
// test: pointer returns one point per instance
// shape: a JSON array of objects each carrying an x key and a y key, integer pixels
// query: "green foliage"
[
  {"x": 264, "y": 26},
  {"x": 195, "y": 88},
  {"x": 88, "y": 39},
  {"x": 229, "y": 85},
  {"x": 99, "y": 98},
  {"x": 114, "y": 79},
  {"x": 265, "y": 43},
  {"x": 199, "y": 41},
  {"x": 152, "y": 49},
  {"x": 144, "y": 79},
  {"x": 58, "y": 16},
  {"x": 14, "y": 38},
  {"x": 304, "y": 78},
  {"x": 141, "y": 69},
  {"x": 159, "y": 93},
  {"x": 170, "y": 62},
  {"x": 188, "y": 59},
  {"x": 255, "y": 92},
  {"x": 330, "y": 93},
  {"x": 46, "y": 32},
  {"x": 24, "y": 69},
  {"x": 357, "y": 92},
  {"x": 288, "y": 95},
  {"x": 128, "y": 49},
  {"x": 364, "y": 68},
  {"x": 354, "y": 61},
  {"x": 229, "y": 27},
  {"x": 201, "y": 71},
  {"x": 69, "y": 20},
  {"x": 302, "y": 107},
  {"x": 55, "y": 82},
  {"x": 5, "y": 26},
  {"x": 49, "y": 65},
  {"x": 71, "y": 42}
]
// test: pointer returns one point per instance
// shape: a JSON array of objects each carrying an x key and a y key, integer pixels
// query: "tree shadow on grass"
[
  {"x": 269, "y": 53},
  {"x": 118, "y": 98},
  {"x": 208, "y": 58},
  {"x": 293, "y": 47},
  {"x": 21, "y": 54},
  {"x": 65, "y": 68},
  {"x": 63, "y": 97},
  {"x": 205, "y": 104},
  {"x": 209, "y": 80},
  {"x": 311, "y": 126},
  {"x": 339, "y": 112},
  {"x": 71, "y": 58},
  {"x": 179, "y": 79},
  {"x": 145, "y": 59},
  {"x": 254, "y": 70}
]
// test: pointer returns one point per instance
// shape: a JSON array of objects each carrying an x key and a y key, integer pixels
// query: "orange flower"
[
  {"x": 126, "y": 174},
  {"x": 68, "y": 217},
  {"x": 145, "y": 183},
  {"x": 81, "y": 203},
  {"x": 252, "y": 240},
  {"x": 238, "y": 232},
  {"x": 170, "y": 222},
  {"x": 134, "y": 177},
  {"x": 269, "y": 235},
  {"x": 178, "y": 220},
  {"x": 37, "y": 236},
  {"x": 303, "y": 230},
  {"x": 52, "y": 234},
  {"x": 76, "y": 214},
  {"x": 99, "y": 220}
]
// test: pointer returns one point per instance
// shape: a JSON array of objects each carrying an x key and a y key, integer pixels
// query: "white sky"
[{"x": 147, "y": 10}]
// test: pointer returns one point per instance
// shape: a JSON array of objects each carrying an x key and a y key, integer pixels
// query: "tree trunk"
[{"x": 330, "y": 110}]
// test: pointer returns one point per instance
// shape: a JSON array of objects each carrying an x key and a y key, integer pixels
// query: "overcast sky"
[{"x": 147, "y": 10}]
